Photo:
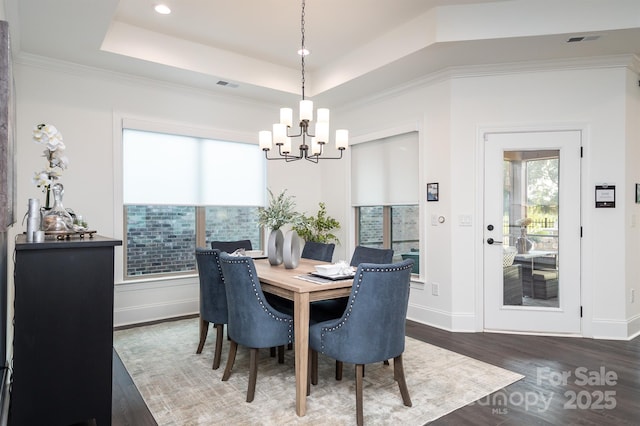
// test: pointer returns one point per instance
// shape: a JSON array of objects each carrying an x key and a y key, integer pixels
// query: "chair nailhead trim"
[
  {"x": 255, "y": 292},
  {"x": 352, "y": 299},
  {"x": 217, "y": 258}
]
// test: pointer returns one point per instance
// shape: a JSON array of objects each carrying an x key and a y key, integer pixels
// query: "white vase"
[
  {"x": 274, "y": 247},
  {"x": 292, "y": 250},
  {"x": 523, "y": 244}
]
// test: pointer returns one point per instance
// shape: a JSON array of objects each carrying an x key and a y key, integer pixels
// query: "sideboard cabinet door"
[{"x": 63, "y": 332}]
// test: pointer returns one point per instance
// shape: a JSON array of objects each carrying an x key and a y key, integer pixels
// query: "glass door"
[{"x": 532, "y": 244}]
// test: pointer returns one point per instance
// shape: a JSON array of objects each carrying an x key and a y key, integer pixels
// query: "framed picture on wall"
[
  {"x": 637, "y": 193},
  {"x": 432, "y": 192}
]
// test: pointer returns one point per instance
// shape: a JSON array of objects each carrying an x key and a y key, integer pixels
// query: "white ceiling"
[{"x": 358, "y": 47}]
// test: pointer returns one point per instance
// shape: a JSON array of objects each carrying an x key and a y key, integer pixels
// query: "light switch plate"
[
  {"x": 435, "y": 289},
  {"x": 464, "y": 220}
]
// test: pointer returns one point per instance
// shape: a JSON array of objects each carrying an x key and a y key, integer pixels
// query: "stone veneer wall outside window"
[
  {"x": 404, "y": 228},
  {"x": 162, "y": 239},
  {"x": 233, "y": 223}
]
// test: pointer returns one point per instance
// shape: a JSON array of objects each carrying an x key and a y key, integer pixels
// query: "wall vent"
[
  {"x": 578, "y": 39},
  {"x": 226, "y": 84}
]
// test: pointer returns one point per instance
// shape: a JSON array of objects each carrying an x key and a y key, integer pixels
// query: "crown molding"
[{"x": 629, "y": 61}]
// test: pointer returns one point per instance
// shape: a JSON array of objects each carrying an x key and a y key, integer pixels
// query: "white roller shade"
[
  {"x": 163, "y": 168},
  {"x": 385, "y": 171}
]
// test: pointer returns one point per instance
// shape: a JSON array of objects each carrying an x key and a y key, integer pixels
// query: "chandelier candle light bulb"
[
  {"x": 322, "y": 132},
  {"x": 286, "y": 116},
  {"x": 286, "y": 148},
  {"x": 306, "y": 110},
  {"x": 279, "y": 134},
  {"x": 323, "y": 115},
  {"x": 265, "y": 139},
  {"x": 315, "y": 147},
  {"x": 342, "y": 138}
]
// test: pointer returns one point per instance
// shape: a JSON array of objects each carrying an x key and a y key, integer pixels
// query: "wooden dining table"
[{"x": 285, "y": 283}]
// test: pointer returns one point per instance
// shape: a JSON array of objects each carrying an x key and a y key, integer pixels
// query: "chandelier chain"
[
  {"x": 302, "y": 49},
  {"x": 283, "y": 131}
]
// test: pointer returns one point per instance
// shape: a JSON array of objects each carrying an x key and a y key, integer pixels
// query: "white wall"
[
  {"x": 447, "y": 110},
  {"x": 597, "y": 99},
  {"x": 592, "y": 98},
  {"x": 83, "y": 104},
  {"x": 632, "y": 212}
]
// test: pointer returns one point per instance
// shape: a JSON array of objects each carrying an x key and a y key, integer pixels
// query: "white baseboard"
[
  {"x": 147, "y": 301},
  {"x": 633, "y": 327},
  {"x": 611, "y": 329},
  {"x": 456, "y": 322},
  {"x": 146, "y": 313}
]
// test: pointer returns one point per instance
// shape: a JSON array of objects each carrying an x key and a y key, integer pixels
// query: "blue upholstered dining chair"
[
  {"x": 380, "y": 295},
  {"x": 253, "y": 322},
  {"x": 363, "y": 254},
  {"x": 231, "y": 246},
  {"x": 318, "y": 251},
  {"x": 334, "y": 308},
  {"x": 328, "y": 309},
  {"x": 213, "y": 299}
]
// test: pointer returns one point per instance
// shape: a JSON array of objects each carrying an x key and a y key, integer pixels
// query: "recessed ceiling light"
[
  {"x": 304, "y": 52},
  {"x": 162, "y": 9}
]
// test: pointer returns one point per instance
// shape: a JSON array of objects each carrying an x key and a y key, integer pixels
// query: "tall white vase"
[
  {"x": 274, "y": 247},
  {"x": 292, "y": 249}
]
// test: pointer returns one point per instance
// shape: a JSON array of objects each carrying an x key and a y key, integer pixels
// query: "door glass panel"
[{"x": 531, "y": 274}]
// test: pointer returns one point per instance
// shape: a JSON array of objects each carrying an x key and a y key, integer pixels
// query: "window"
[
  {"x": 385, "y": 192},
  {"x": 531, "y": 182},
  {"x": 181, "y": 192}
]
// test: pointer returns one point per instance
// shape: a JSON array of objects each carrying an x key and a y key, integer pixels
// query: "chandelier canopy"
[{"x": 281, "y": 136}]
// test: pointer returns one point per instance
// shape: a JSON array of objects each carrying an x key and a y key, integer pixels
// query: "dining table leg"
[{"x": 301, "y": 326}]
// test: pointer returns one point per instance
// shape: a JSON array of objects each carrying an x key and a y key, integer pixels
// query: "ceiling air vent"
[
  {"x": 583, "y": 38},
  {"x": 226, "y": 83}
]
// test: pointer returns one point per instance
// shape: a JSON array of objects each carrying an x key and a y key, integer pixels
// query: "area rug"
[{"x": 180, "y": 388}]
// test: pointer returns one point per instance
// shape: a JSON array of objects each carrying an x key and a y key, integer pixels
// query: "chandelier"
[{"x": 312, "y": 145}]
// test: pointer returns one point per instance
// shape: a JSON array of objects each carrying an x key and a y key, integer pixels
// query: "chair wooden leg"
[
  {"x": 338, "y": 370},
  {"x": 398, "y": 375},
  {"x": 386, "y": 362},
  {"x": 281, "y": 354},
  {"x": 272, "y": 352},
  {"x": 204, "y": 329},
  {"x": 218, "y": 353},
  {"x": 313, "y": 367},
  {"x": 253, "y": 373},
  {"x": 309, "y": 371},
  {"x": 359, "y": 408},
  {"x": 233, "y": 347}
]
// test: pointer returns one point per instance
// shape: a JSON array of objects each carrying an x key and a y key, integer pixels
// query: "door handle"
[{"x": 491, "y": 241}]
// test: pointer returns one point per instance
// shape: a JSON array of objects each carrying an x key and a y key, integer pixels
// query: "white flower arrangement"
[{"x": 51, "y": 138}]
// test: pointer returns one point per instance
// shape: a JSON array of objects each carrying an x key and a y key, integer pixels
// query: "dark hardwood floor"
[{"x": 568, "y": 381}]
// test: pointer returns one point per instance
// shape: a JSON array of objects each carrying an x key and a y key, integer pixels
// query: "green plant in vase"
[
  {"x": 318, "y": 228},
  {"x": 279, "y": 212}
]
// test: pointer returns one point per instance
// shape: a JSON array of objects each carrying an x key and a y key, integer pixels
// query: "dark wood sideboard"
[{"x": 63, "y": 331}]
